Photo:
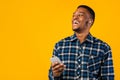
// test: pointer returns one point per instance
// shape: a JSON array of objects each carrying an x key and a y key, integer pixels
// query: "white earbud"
[{"x": 90, "y": 22}]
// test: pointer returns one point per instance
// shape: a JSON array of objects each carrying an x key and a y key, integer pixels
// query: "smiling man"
[{"x": 83, "y": 56}]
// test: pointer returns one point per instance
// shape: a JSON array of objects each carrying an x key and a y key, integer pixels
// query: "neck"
[{"x": 82, "y": 36}]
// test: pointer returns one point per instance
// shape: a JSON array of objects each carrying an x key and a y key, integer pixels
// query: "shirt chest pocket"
[{"x": 94, "y": 62}]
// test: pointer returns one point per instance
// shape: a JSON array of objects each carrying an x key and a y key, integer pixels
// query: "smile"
[{"x": 75, "y": 22}]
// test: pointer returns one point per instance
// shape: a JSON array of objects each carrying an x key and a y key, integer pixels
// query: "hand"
[{"x": 57, "y": 69}]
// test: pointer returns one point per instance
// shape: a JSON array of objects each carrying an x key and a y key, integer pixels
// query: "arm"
[
  {"x": 56, "y": 68},
  {"x": 51, "y": 77},
  {"x": 107, "y": 71},
  {"x": 50, "y": 74}
]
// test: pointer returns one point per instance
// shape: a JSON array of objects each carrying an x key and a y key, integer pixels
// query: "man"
[{"x": 83, "y": 56}]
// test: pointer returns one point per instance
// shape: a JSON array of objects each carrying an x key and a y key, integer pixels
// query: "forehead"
[{"x": 82, "y": 10}]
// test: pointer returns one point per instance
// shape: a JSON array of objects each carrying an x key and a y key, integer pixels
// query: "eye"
[{"x": 80, "y": 14}]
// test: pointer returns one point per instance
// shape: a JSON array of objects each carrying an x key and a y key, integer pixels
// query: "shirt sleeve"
[
  {"x": 50, "y": 75},
  {"x": 107, "y": 70}
]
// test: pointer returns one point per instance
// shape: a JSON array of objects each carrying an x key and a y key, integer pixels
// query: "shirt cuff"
[{"x": 56, "y": 78}]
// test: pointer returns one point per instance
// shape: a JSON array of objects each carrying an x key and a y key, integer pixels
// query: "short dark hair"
[{"x": 91, "y": 11}]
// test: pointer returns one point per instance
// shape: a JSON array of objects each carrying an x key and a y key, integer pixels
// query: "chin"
[{"x": 76, "y": 30}]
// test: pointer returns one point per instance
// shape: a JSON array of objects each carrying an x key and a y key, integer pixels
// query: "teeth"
[{"x": 75, "y": 22}]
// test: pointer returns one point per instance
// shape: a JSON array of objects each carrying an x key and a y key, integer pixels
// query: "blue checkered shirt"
[{"x": 91, "y": 60}]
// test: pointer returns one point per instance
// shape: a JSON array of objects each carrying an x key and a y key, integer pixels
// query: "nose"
[{"x": 75, "y": 16}]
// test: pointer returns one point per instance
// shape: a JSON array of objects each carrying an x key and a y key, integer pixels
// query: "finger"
[
  {"x": 58, "y": 70},
  {"x": 55, "y": 64},
  {"x": 61, "y": 69},
  {"x": 58, "y": 67},
  {"x": 56, "y": 73}
]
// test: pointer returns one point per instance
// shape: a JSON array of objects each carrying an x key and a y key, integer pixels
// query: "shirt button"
[
  {"x": 79, "y": 61},
  {"x": 79, "y": 66},
  {"x": 78, "y": 72}
]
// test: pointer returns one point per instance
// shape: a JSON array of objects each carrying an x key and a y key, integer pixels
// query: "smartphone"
[{"x": 55, "y": 59}]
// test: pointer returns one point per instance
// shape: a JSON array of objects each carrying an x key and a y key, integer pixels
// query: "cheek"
[{"x": 83, "y": 20}]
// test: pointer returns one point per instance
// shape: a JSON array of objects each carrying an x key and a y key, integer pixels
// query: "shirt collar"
[
  {"x": 73, "y": 37},
  {"x": 89, "y": 38}
]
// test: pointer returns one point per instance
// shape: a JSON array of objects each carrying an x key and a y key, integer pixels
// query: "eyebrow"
[{"x": 80, "y": 12}]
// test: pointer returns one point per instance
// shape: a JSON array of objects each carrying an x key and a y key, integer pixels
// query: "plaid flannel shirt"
[{"x": 91, "y": 60}]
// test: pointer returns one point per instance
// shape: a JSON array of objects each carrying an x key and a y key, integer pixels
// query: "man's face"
[{"x": 80, "y": 20}]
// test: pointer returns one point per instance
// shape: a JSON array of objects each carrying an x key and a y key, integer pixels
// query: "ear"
[{"x": 90, "y": 21}]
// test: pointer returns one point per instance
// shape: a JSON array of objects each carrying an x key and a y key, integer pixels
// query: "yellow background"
[{"x": 30, "y": 28}]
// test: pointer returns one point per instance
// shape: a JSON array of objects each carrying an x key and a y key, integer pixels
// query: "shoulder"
[
  {"x": 64, "y": 40},
  {"x": 102, "y": 44}
]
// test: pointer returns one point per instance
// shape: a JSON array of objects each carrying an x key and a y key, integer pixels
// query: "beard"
[
  {"x": 76, "y": 30},
  {"x": 79, "y": 30}
]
